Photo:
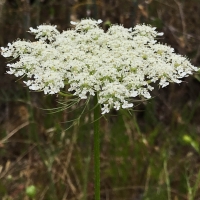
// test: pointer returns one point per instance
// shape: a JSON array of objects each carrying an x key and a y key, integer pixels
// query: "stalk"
[{"x": 96, "y": 148}]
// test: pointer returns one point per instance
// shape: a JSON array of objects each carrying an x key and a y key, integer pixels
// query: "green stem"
[{"x": 96, "y": 148}]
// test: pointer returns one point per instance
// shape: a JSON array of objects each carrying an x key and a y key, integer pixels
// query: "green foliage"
[{"x": 31, "y": 191}]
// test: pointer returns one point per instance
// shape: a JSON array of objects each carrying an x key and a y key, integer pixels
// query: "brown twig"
[
  {"x": 14, "y": 131},
  {"x": 180, "y": 7}
]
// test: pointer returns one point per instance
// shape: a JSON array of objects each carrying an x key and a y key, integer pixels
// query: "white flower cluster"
[{"x": 117, "y": 65}]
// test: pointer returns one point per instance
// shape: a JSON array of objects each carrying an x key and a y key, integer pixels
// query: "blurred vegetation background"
[{"x": 151, "y": 154}]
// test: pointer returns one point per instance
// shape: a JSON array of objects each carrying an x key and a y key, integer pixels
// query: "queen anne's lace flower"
[
  {"x": 117, "y": 65},
  {"x": 45, "y": 32}
]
